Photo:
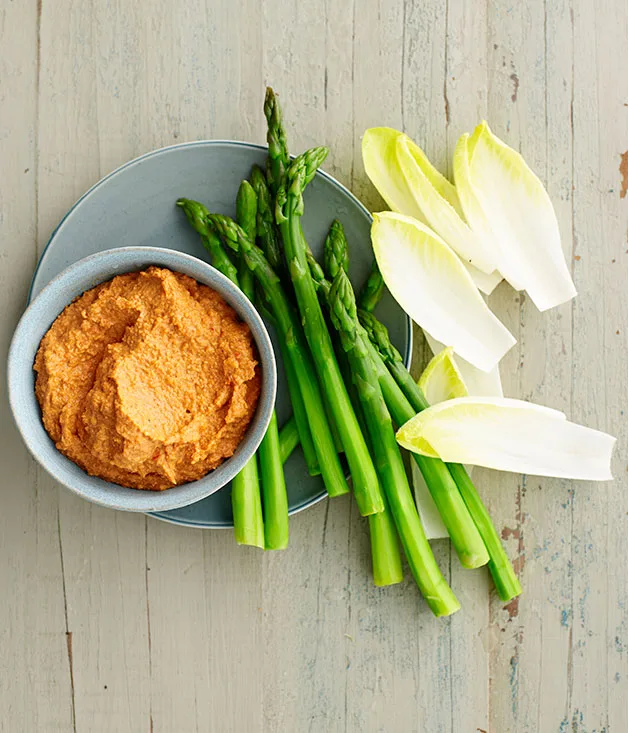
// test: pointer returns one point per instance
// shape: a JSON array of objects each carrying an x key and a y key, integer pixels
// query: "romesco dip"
[{"x": 149, "y": 380}]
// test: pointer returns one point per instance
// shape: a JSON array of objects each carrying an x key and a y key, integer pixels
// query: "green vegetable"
[
  {"x": 464, "y": 535},
  {"x": 385, "y": 555},
  {"x": 268, "y": 239},
  {"x": 310, "y": 453},
  {"x": 291, "y": 333},
  {"x": 336, "y": 250},
  {"x": 274, "y": 493},
  {"x": 278, "y": 156},
  {"x": 288, "y": 439},
  {"x": 273, "y": 489},
  {"x": 503, "y": 573},
  {"x": 298, "y": 408},
  {"x": 267, "y": 235},
  {"x": 372, "y": 290},
  {"x": 246, "y": 502},
  {"x": 388, "y": 458},
  {"x": 246, "y": 216},
  {"x": 385, "y": 552},
  {"x": 196, "y": 214},
  {"x": 289, "y": 210}
]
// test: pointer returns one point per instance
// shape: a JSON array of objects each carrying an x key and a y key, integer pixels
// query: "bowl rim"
[{"x": 148, "y": 501}]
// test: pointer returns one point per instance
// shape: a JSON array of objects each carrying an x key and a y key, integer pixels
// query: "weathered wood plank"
[
  {"x": 35, "y": 685},
  {"x": 597, "y": 680},
  {"x": 465, "y": 103},
  {"x": 103, "y": 553},
  {"x": 517, "y": 112}
]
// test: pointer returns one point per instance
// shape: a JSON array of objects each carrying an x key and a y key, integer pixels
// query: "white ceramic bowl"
[{"x": 86, "y": 274}]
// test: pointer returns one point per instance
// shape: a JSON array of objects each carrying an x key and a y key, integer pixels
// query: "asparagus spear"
[
  {"x": 291, "y": 333},
  {"x": 266, "y": 228},
  {"x": 196, "y": 214},
  {"x": 268, "y": 239},
  {"x": 372, "y": 290},
  {"x": 464, "y": 534},
  {"x": 388, "y": 458},
  {"x": 277, "y": 165},
  {"x": 278, "y": 156},
  {"x": 504, "y": 577},
  {"x": 246, "y": 216},
  {"x": 336, "y": 250},
  {"x": 274, "y": 493},
  {"x": 300, "y": 414},
  {"x": 289, "y": 210},
  {"x": 385, "y": 553},
  {"x": 288, "y": 439},
  {"x": 246, "y": 503}
]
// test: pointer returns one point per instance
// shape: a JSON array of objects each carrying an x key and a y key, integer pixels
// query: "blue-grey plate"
[{"x": 135, "y": 206}]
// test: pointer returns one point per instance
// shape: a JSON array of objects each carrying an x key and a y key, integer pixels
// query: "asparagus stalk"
[
  {"x": 336, "y": 250},
  {"x": 504, "y": 576},
  {"x": 278, "y": 156},
  {"x": 427, "y": 574},
  {"x": 289, "y": 211},
  {"x": 246, "y": 216},
  {"x": 274, "y": 493},
  {"x": 277, "y": 165},
  {"x": 267, "y": 235},
  {"x": 462, "y": 530},
  {"x": 372, "y": 290},
  {"x": 385, "y": 552},
  {"x": 246, "y": 503},
  {"x": 248, "y": 522},
  {"x": 268, "y": 239},
  {"x": 296, "y": 399},
  {"x": 291, "y": 333},
  {"x": 196, "y": 214},
  {"x": 288, "y": 439}
]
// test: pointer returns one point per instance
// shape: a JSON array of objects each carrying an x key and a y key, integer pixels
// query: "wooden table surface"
[{"x": 115, "y": 622}]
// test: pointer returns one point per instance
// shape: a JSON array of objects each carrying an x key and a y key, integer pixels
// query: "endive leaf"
[
  {"x": 430, "y": 516},
  {"x": 443, "y": 215},
  {"x": 380, "y": 163},
  {"x": 478, "y": 383},
  {"x": 509, "y": 435},
  {"x": 431, "y": 284},
  {"x": 508, "y": 207},
  {"x": 485, "y": 283},
  {"x": 441, "y": 379}
]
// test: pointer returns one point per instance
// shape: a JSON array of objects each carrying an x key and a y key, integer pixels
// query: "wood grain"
[{"x": 114, "y": 622}]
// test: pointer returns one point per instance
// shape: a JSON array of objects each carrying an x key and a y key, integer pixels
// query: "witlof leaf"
[
  {"x": 379, "y": 154},
  {"x": 509, "y": 209},
  {"x": 443, "y": 214},
  {"x": 441, "y": 379},
  {"x": 478, "y": 383},
  {"x": 431, "y": 284},
  {"x": 509, "y": 435}
]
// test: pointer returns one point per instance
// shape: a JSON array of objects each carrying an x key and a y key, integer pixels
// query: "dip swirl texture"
[{"x": 149, "y": 380}]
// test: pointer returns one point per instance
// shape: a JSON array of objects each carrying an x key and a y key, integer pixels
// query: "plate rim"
[{"x": 407, "y": 357}]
